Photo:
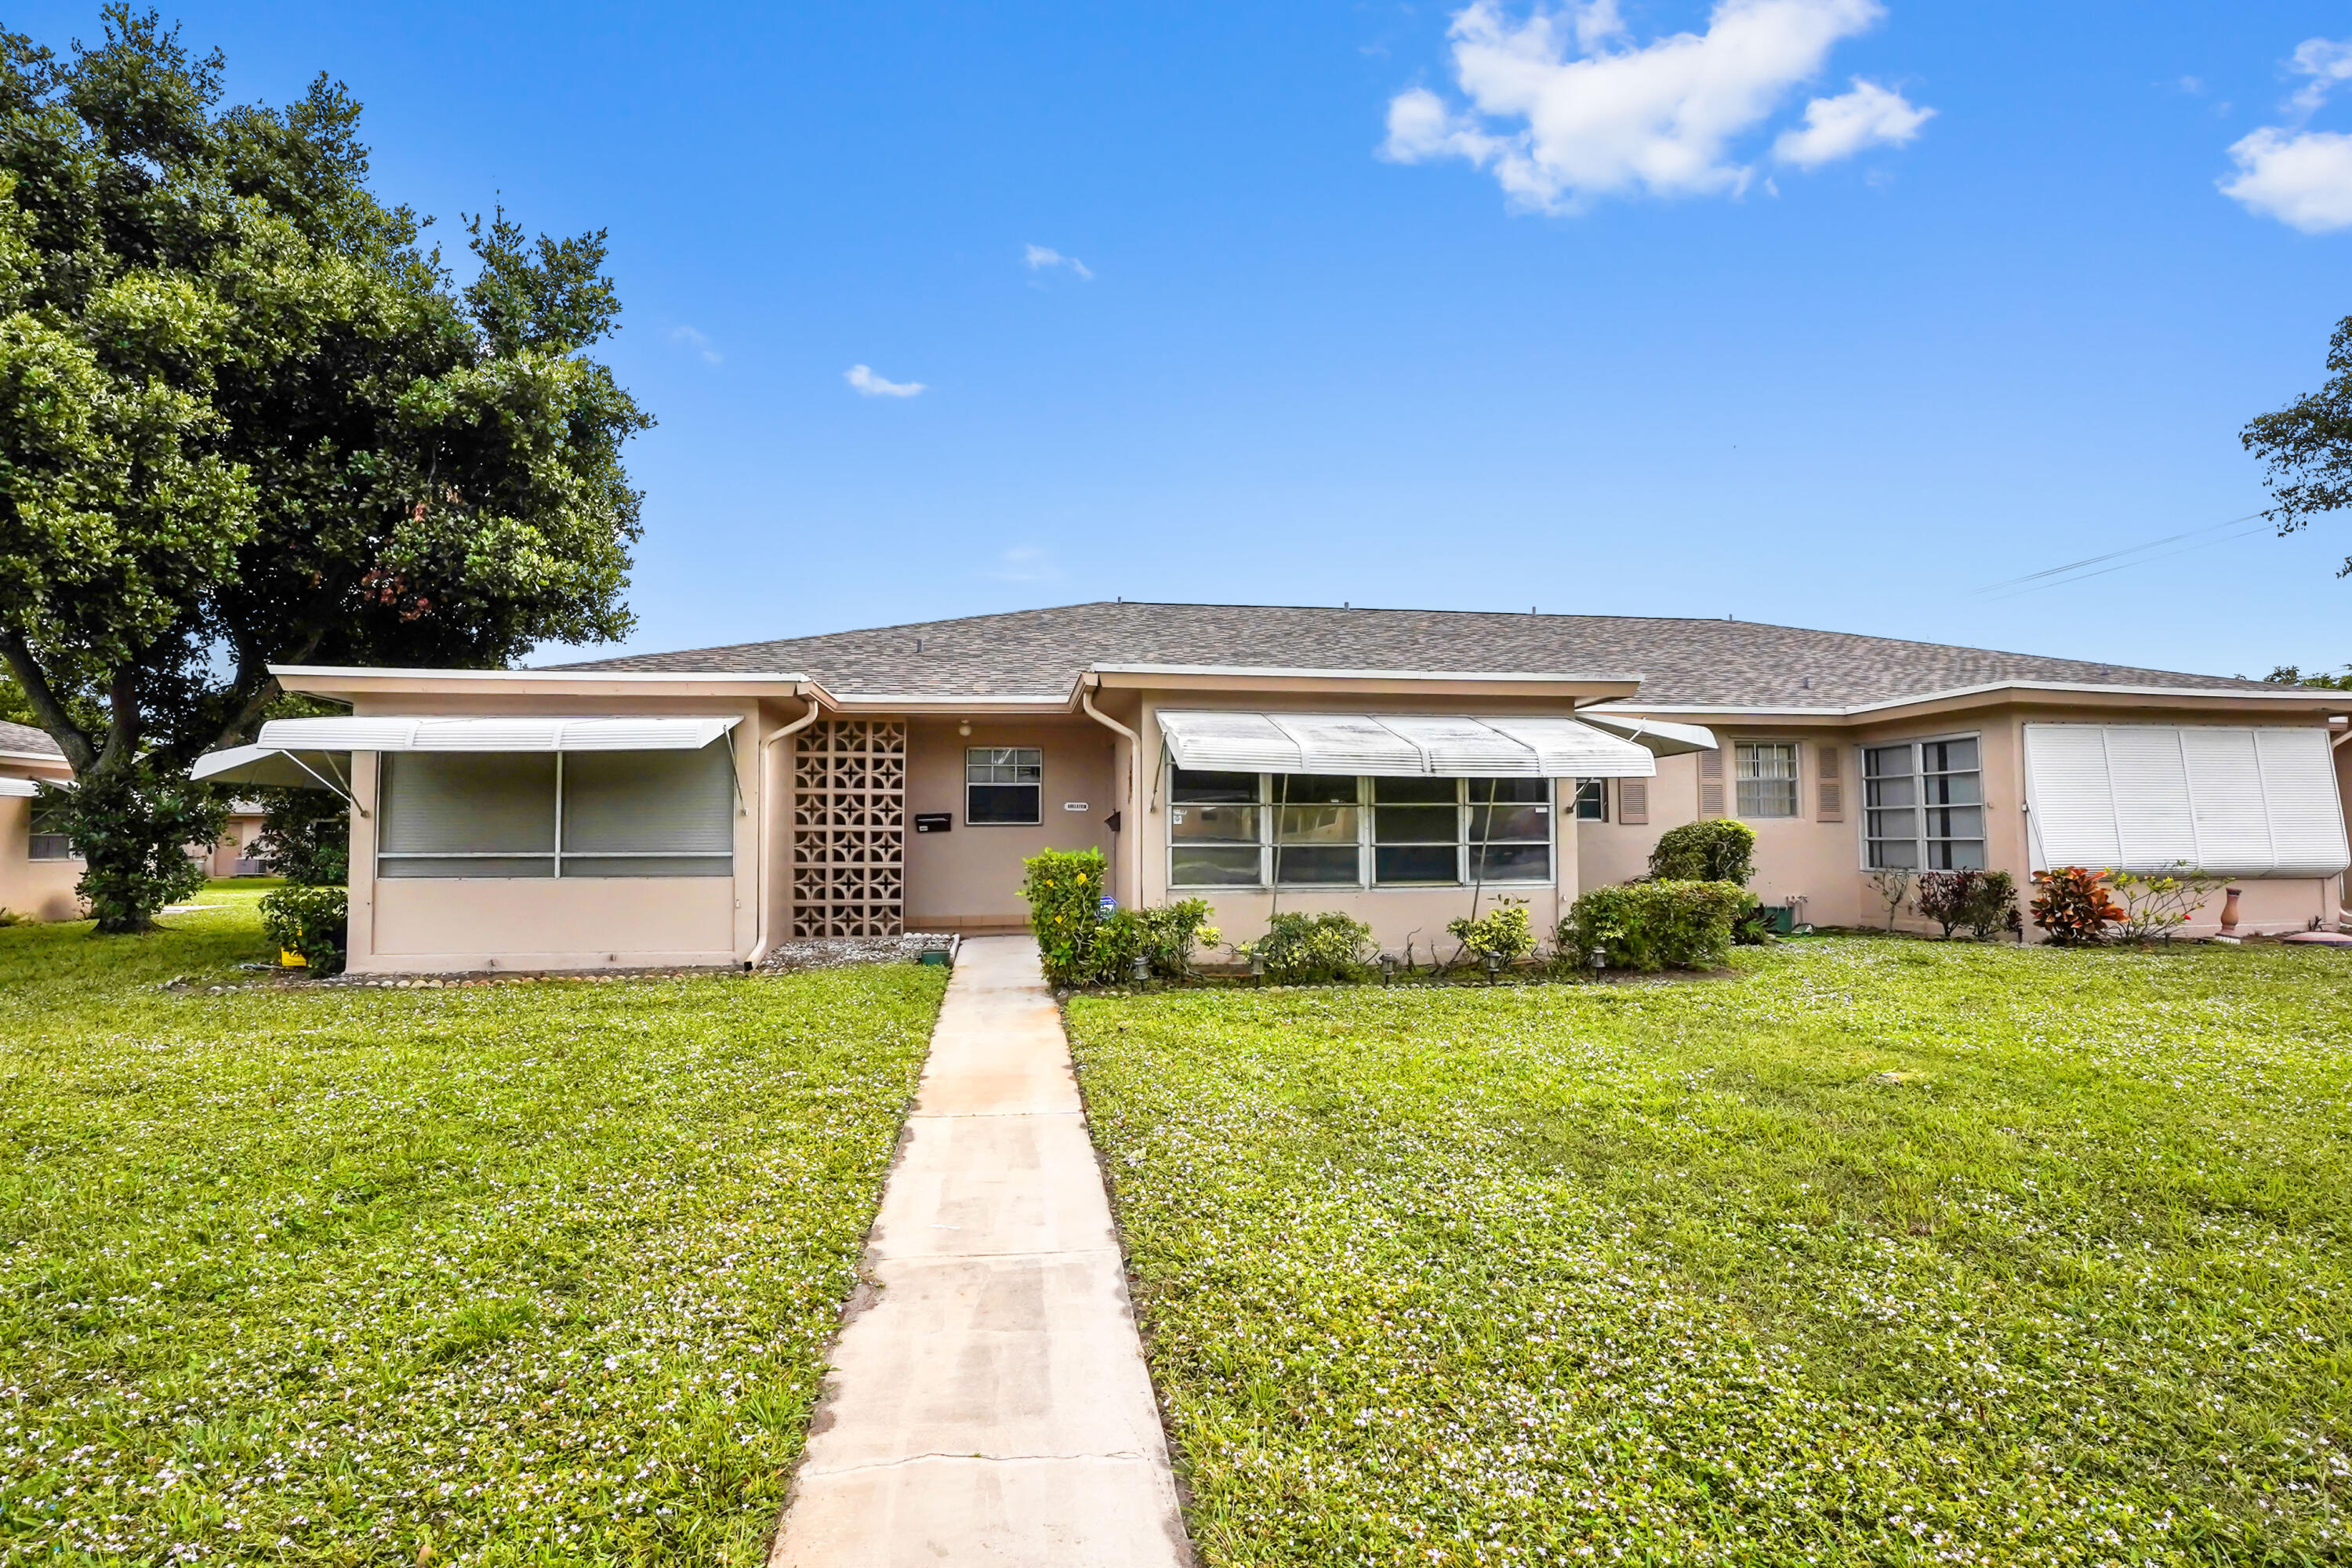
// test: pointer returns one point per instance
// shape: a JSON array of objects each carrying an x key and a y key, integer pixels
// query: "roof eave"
[
  {"x": 1588, "y": 686},
  {"x": 347, "y": 680},
  {"x": 2302, "y": 699}
]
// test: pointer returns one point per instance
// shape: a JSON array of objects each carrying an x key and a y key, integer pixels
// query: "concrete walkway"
[{"x": 990, "y": 1405}]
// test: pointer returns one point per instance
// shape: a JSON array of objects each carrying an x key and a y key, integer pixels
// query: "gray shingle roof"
[
  {"x": 24, "y": 738},
  {"x": 1729, "y": 663}
]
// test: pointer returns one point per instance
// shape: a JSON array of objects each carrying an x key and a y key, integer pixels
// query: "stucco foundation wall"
[
  {"x": 969, "y": 878},
  {"x": 577, "y": 922},
  {"x": 1397, "y": 915},
  {"x": 41, "y": 889}
]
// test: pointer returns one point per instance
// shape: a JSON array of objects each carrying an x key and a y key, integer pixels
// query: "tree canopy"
[
  {"x": 2307, "y": 446},
  {"x": 246, "y": 418}
]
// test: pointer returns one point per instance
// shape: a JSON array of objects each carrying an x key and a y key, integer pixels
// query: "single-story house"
[
  {"x": 37, "y": 867},
  {"x": 697, "y": 807}
]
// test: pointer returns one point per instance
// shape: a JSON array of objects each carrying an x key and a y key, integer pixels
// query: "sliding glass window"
[{"x": 1309, "y": 830}]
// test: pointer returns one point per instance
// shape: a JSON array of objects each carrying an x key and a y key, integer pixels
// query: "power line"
[
  {"x": 2129, "y": 550},
  {"x": 2031, "y": 587}
]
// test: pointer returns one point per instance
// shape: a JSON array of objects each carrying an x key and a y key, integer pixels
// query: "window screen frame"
[
  {"x": 1037, "y": 786},
  {"x": 1269, "y": 803},
  {"x": 1748, "y": 786},
  {"x": 1593, "y": 793},
  {"x": 720, "y": 862},
  {"x": 1921, "y": 840}
]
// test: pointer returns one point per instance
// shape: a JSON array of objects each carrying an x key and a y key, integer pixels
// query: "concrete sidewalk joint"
[{"x": 991, "y": 1404}]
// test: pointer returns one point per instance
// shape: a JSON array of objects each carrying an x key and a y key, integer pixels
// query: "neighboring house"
[
  {"x": 37, "y": 867},
  {"x": 234, "y": 855},
  {"x": 697, "y": 807}
]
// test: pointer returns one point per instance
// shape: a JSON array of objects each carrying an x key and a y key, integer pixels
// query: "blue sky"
[{"x": 1828, "y": 311}]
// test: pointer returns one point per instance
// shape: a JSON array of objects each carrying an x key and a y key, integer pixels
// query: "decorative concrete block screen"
[{"x": 849, "y": 828}]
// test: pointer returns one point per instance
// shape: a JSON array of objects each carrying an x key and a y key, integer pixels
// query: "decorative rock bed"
[{"x": 833, "y": 952}]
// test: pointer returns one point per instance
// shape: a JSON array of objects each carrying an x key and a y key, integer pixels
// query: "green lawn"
[
  {"x": 533, "y": 1273},
  {"x": 1670, "y": 1274}
]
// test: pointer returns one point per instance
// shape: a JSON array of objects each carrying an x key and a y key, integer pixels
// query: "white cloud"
[
  {"x": 2302, "y": 178},
  {"x": 869, "y": 384},
  {"x": 691, "y": 339},
  {"x": 2327, "y": 62},
  {"x": 1565, "y": 110},
  {"x": 1026, "y": 563},
  {"x": 1043, "y": 256},
  {"x": 1835, "y": 128}
]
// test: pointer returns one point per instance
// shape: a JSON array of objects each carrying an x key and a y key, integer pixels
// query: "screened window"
[
  {"x": 49, "y": 838},
  {"x": 1510, "y": 830},
  {"x": 1307, "y": 830},
  {"x": 1922, "y": 805},
  {"x": 1316, "y": 830},
  {"x": 1766, "y": 777},
  {"x": 1003, "y": 786},
  {"x": 1592, "y": 800},
  {"x": 581, "y": 814},
  {"x": 1416, "y": 832},
  {"x": 1214, "y": 838}
]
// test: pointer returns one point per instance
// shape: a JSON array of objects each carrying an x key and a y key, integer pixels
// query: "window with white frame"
[
  {"x": 1592, "y": 800},
  {"x": 1305, "y": 830},
  {"x": 582, "y": 814},
  {"x": 1922, "y": 805},
  {"x": 48, "y": 837},
  {"x": 1765, "y": 778},
  {"x": 1003, "y": 786}
]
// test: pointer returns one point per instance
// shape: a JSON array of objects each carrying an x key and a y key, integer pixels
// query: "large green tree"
[
  {"x": 2307, "y": 447},
  {"x": 246, "y": 418}
]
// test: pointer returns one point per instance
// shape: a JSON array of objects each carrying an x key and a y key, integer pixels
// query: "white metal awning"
[
  {"x": 317, "y": 752},
  {"x": 1394, "y": 745},
  {"x": 1663, "y": 738},
  {"x": 18, "y": 789}
]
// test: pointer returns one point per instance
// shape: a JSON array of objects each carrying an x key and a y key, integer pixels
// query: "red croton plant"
[{"x": 2073, "y": 905}]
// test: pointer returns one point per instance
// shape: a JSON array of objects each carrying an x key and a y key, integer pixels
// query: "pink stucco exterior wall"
[{"x": 969, "y": 878}]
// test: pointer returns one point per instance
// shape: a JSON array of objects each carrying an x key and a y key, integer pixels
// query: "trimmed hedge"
[
  {"x": 1065, "y": 890},
  {"x": 1717, "y": 850},
  {"x": 1654, "y": 925}
]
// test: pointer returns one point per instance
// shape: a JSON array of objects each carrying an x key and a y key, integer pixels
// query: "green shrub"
[
  {"x": 1313, "y": 947},
  {"x": 1985, "y": 902},
  {"x": 1654, "y": 925},
  {"x": 1065, "y": 890},
  {"x": 1716, "y": 850},
  {"x": 1502, "y": 933},
  {"x": 1163, "y": 937},
  {"x": 313, "y": 921}
]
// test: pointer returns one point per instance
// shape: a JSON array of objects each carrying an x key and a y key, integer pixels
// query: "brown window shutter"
[
  {"x": 1634, "y": 800},
  {"x": 1829, "y": 787},
  {"x": 1710, "y": 783}
]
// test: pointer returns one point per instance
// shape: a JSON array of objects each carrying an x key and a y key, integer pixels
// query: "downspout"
[
  {"x": 1133, "y": 835},
  {"x": 767, "y": 805}
]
